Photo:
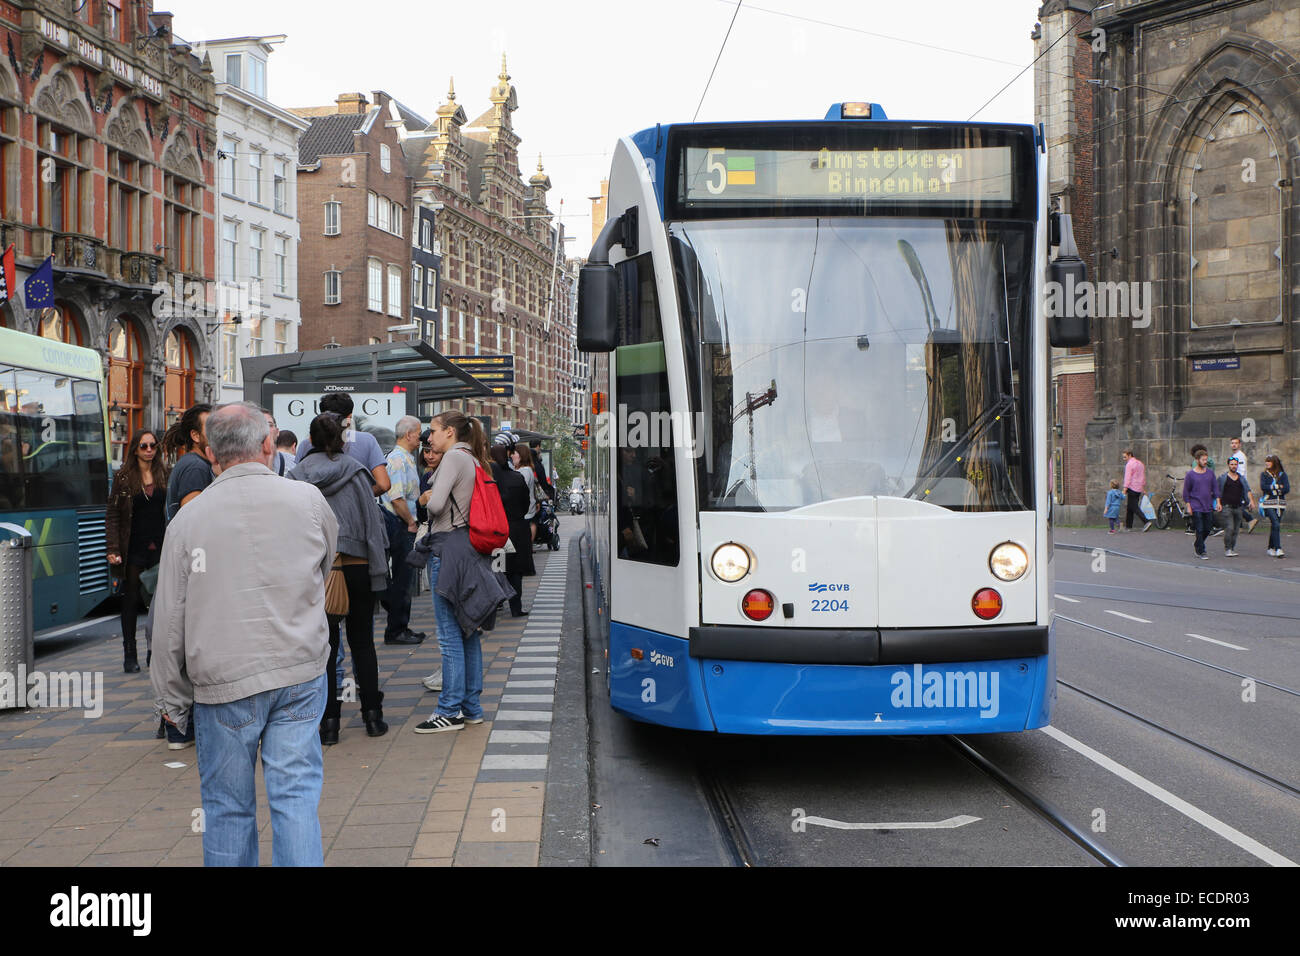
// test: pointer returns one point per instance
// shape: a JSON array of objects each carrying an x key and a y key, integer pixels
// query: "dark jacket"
[
  {"x": 467, "y": 582},
  {"x": 1275, "y": 488},
  {"x": 117, "y": 519},
  {"x": 345, "y": 483},
  {"x": 514, "y": 498}
]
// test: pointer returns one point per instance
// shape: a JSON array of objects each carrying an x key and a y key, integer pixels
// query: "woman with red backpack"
[{"x": 462, "y": 523}]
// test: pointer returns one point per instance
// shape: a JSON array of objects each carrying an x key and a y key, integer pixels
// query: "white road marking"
[
  {"x": 513, "y": 762},
  {"x": 519, "y": 737},
  {"x": 75, "y": 627},
  {"x": 1128, "y": 617},
  {"x": 1251, "y": 846},
  {"x": 950, "y": 824},
  {"x": 1202, "y": 637},
  {"x": 1062, "y": 597}
]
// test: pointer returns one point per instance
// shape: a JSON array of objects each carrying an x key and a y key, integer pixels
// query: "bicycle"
[{"x": 1171, "y": 505}]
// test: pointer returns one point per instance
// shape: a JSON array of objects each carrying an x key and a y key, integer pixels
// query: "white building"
[{"x": 257, "y": 211}]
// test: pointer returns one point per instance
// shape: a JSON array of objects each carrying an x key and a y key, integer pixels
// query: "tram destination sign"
[{"x": 921, "y": 175}]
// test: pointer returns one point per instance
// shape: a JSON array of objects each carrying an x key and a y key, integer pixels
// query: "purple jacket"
[{"x": 1201, "y": 491}]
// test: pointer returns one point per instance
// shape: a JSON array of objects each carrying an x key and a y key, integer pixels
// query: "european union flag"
[{"x": 39, "y": 288}]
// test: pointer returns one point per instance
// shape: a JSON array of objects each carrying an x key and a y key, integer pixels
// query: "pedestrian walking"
[
  {"x": 430, "y": 459},
  {"x": 133, "y": 529},
  {"x": 1236, "y": 497},
  {"x": 514, "y": 498},
  {"x": 1240, "y": 456},
  {"x": 362, "y": 563},
  {"x": 1274, "y": 486},
  {"x": 1114, "y": 498},
  {"x": 465, "y": 590},
  {"x": 243, "y": 643},
  {"x": 1135, "y": 486},
  {"x": 1201, "y": 492},
  {"x": 399, "y": 504}
]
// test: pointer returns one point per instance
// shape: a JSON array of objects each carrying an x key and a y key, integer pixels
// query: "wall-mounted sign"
[
  {"x": 1216, "y": 364},
  {"x": 502, "y": 391},
  {"x": 151, "y": 85},
  {"x": 52, "y": 31},
  {"x": 88, "y": 51},
  {"x": 121, "y": 68}
]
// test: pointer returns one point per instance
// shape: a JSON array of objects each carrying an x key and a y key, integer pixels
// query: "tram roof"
[{"x": 435, "y": 377}]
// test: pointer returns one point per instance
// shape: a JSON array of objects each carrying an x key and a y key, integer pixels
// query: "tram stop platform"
[{"x": 78, "y": 790}]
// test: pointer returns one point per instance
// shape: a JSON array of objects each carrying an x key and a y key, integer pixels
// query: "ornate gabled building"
[
  {"x": 1197, "y": 158},
  {"x": 504, "y": 289},
  {"x": 107, "y": 148}
]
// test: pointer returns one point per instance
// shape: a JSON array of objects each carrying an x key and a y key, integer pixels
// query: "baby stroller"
[{"x": 548, "y": 526}]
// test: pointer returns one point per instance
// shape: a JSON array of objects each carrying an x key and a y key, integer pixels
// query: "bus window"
[
  {"x": 642, "y": 427},
  {"x": 62, "y": 440}
]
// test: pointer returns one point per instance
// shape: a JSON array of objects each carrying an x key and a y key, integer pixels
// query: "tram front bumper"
[{"x": 906, "y": 691}]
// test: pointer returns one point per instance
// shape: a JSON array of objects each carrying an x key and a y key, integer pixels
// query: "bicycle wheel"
[{"x": 1164, "y": 513}]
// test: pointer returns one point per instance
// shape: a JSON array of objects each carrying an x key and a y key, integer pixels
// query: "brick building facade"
[
  {"x": 1197, "y": 156},
  {"x": 107, "y": 142},
  {"x": 354, "y": 210}
]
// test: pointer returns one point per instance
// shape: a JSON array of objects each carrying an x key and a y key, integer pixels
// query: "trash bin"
[{"x": 17, "y": 642}]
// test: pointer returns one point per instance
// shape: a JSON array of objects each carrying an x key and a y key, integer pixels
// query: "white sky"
[{"x": 589, "y": 71}]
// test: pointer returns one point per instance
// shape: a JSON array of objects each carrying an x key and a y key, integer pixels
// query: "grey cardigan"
[
  {"x": 345, "y": 483},
  {"x": 467, "y": 582}
]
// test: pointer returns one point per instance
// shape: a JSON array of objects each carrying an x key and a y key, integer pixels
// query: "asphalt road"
[{"x": 1172, "y": 744}]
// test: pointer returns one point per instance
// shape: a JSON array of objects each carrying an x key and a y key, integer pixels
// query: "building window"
[
  {"x": 64, "y": 195},
  {"x": 374, "y": 286},
  {"x": 128, "y": 201},
  {"x": 372, "y": 209},
  {"x": 385, "y": 159},
  {"x": 8, "y": 160},
  {"x": 113, "y": 19},
  {"x": 230, "y": 355},
  {"x": 471, "y": 266},
  {"x": 281, "y": 186},
  {"x": 478, "y": 333},
  {"x": 333, "y": 218},
  {"x": 430, "y": 299},
  {"x": 234, "y": 75},
  {"x": 395, "y": 290},
  {"x": 256, "y": 240},
  {"x": 182, "y": 222},
  {"x": 179, "y": 393},
  {"x": 255, "y": 175},
  {"x": 426, "y": 235},
  {"x": 333, "y": 287},
  {"x": 282, "y": 265},
  {"x": 446, "y": 328},
  {"x": 398, "y": 215},
  {"x": 385, "y": 211},
  {"x": 229, "y": 249},
  {"x": 417, "y": 286},
  {"x": 229, "y": 159},
  {"x": 125, "y": 383},
  {"x": 257, "y": 76},
  {"x": 255, "y": 335},
  {"x": 281, "y": 336}
]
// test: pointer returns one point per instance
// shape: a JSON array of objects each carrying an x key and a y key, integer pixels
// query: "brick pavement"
[{"x": 76, "y": 791}]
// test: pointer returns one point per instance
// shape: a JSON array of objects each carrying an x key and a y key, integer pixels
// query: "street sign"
[{"x": 1216, "y": 364}]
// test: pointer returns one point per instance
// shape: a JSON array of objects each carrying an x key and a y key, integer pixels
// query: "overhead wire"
[{"x": 717, "y": 60}]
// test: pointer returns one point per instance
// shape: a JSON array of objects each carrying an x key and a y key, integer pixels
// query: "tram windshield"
[{"x": 839, "y": 357}]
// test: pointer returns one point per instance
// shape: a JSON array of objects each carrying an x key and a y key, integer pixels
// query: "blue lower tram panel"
[{"x": 668, "y": 686}]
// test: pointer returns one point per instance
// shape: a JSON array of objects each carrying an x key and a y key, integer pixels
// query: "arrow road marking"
[{"x": 950, "y": 824}]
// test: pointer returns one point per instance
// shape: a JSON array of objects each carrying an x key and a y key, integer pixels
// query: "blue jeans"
[
  {"x": 1274, "y": 516},
  {"x": 1203, "y": 524},
  {"x": 400, "y": 542},
  {"x": 286, "y": 722},
  {"x": 462, "y": 658}
]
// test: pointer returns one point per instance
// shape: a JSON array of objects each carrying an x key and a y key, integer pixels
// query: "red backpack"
[{"x": 488, "y": 527}]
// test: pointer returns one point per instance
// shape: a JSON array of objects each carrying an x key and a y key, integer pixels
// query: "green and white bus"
[{"x": 54, "y": 469}]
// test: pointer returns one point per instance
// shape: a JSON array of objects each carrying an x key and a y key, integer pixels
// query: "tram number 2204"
[{"x": 830, "y": 605}]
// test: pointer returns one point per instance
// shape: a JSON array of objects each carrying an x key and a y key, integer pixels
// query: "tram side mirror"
[
  {"x": 597, "y": 308},
  {"x": 1066, "y": 275}
]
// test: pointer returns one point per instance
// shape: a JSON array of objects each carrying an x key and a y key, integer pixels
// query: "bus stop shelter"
[{"x": 436, "y": 379}]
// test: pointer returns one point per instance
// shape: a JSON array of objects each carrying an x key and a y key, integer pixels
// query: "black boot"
[
  {"x": 329, "y": 731},
  {"x": 129, "y": 663},
  {"x": 375, "y": 726}
]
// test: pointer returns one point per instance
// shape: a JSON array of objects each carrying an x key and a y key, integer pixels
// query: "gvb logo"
[
  {"x": 76, "y": 909},
  {"x": 947, "y": 690}
]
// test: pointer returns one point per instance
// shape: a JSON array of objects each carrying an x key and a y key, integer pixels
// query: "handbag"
[
  {"x": 149, "y": 581},
  {"x": 336, "y": 590},
  {"x": 1148, "y": 512}
]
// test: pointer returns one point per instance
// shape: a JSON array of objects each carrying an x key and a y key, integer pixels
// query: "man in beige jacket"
[{"x": 242, "y": 640}]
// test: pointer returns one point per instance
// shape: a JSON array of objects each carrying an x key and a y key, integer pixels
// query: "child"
[{"x": 1114, "y": 498}]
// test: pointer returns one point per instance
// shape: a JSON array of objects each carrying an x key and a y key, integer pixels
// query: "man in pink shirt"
[{"x": 1135, "y": 485}]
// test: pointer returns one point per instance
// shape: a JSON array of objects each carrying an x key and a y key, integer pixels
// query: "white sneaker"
[
  {"x": 1272, "y": 553},
  {"x": 1230, "y": 554},
  {"x": 433, "y": 681},
  {"x": 1280, "y": 553}
]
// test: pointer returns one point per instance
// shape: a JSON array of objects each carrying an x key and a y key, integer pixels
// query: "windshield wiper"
[{"x": 1004, "y": 405}]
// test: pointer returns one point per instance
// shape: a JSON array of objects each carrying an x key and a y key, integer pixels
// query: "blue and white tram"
[{"x": 819, "y": 470}]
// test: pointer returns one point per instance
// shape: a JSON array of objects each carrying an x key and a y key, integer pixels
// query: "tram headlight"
[
  {"x": 730, "y": 562},
  {"x": 1008, "y": 561}
]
